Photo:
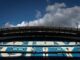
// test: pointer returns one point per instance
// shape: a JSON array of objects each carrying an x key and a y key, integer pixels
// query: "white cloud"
[
  {"x": 23, "y": 23},
  {"x": 8, "y": 25},
  {"x": 57, "y": 14},
  {"x": 38, "y": 14}
]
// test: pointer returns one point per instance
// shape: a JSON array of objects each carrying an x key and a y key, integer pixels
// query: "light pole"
[{"x": 77, "y": 29}]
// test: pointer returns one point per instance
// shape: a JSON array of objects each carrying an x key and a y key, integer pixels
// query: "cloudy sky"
[{"x": 14, "y": 13}]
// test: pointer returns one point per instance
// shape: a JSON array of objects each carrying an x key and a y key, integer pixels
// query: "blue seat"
[
  {"x": 16, "y": 49},
  {"x": 37, "y": 49},
  {"x": 76, "y": 54},
  {"x": 56, "y": 49}
]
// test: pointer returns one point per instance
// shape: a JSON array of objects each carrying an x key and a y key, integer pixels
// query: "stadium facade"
[{"x": 39, "y": 41}]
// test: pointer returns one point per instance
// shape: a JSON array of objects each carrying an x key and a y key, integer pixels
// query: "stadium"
[{"x": 39, "y": 41}]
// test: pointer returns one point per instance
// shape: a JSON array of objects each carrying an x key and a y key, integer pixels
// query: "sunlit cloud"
[{"x": 56, "y": 15}]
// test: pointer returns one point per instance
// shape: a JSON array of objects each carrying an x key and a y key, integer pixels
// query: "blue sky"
[{"x": 16, "y": 11}]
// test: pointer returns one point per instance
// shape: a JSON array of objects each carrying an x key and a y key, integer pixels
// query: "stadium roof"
[{"x": 40, "y": 32}]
